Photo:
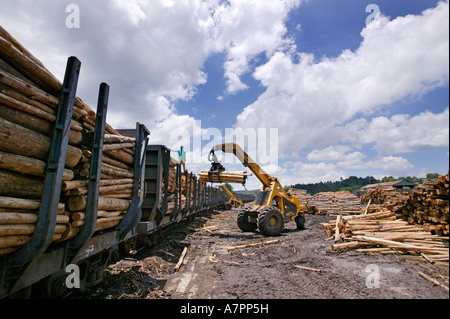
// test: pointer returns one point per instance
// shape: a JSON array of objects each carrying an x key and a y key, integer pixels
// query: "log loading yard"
[{"x": 74, "y": 191}]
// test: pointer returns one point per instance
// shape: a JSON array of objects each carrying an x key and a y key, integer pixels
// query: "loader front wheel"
[
  {"x": 300, "y": 221},
  {"x": 270, "y": 221},
  {"x": 243, "y": 222}
]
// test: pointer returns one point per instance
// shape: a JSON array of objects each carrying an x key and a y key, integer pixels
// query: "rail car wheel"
[
  {"x": 243, "y": 222},
  {"x": 300, "y": 221},
  {"x": 271, "y": 221}
]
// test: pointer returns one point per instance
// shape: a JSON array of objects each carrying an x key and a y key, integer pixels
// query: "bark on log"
[
  {"x": 121, "y": 156},
  {"x": 19, "y": 203},
  {"x": 28, "y": 166},
  {"x": 14, "y": 230},
  {"x": 32, "y": 70},
  {"x": 17, "y": 218},
  {"x": 19, "y": 140},
  {"x": 37, "y": 124},
  {"x": 16, "y": 185},
  {"x": 13, "y": 241},
  {"x": 78, "y": 203},
  {"x": 104, "y": 223}
]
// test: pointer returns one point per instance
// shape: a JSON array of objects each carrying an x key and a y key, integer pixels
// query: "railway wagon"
[{"x": 74, "y": 192}]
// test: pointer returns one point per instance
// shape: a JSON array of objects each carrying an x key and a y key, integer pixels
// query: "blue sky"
[{"x": 346, "y": 98}]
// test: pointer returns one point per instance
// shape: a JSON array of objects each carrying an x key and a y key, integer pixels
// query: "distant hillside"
[{"x": 248, "y": 192}]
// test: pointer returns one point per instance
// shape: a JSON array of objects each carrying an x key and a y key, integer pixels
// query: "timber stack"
[
  {"x": 380, "y": 198},
  {"x": 301, "y": 194},
  {"x": 29, "y": 100},
  {"x": 238, "y": 177},
  {"x": 427, "y": 205},
  {"x": 171, "y": 188},
  {"x": 334, "y": 203},
  {"x": 383, "y": 233}
]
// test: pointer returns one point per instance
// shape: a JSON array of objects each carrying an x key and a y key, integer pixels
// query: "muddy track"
[{"x": 263, "y": 272}]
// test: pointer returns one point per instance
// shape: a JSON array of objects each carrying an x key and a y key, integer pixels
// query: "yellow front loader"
[
  {"x": 233, "y": 202},
  {"x": 273, "y": 206}
]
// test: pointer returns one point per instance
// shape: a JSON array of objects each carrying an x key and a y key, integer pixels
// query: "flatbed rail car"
[
  {"x": 45, "y": 276},
  {"x": 39, "y": 268}
]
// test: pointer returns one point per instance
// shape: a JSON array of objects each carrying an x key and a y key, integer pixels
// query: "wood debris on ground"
[{"x": 382, "y": 232}]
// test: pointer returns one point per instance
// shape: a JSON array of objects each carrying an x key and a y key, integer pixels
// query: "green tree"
[
  {"x": 432, "y": 176},
  {"x": 229, "y": 187}
]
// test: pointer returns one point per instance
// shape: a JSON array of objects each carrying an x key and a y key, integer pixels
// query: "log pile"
[
  {"x": 171, "y": 188},
  {"x": 334, "y": 203},
  {"x": 239, "y": 177},
  {"x": 382, "y": 232},
  {"x": 380, "y": 198},
  {"x": 427, "y": 205},
  {"x": 29, "y": 99},
  {"x": 301, "y": 194}
]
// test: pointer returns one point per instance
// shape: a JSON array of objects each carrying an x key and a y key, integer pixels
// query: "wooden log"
[
  {"x": 32, "y": 70},
  {"x": 8, "y": 37},
  {"x": 78, "y": 203},
  {"x": 434, "y": 281},
  {"x": 70, "y": 232},
  {"x": 19, "y": 203},
  {"x": 17, "y": 218},
  {"x": 102, "y": 213},
  {"x": 37, "y": 124},
  {"x": 120, "y": 155},
  {"x": 104, "y": 223},
  {"x": 348, "y": 245},
  {"x": 181, "y": 259},
  {"x": 107, "y": 147},
  {"x": 12, "y": 241},
  {"x": 308, "y": 268},
  {"x": 398, "y": 245},
  {"x": 24, "y": 107},
  {"x": 16, "y": 185},
  {"x": 110, "y": 138},
  {"x": 19, "y": 140},
  {"x": 14, "y": 230},
  {"x": 253, "y": 245},
  {"x": 26, "y": 165}
]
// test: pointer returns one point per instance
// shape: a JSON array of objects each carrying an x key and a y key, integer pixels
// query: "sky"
[{"x": 313, "y": 90}]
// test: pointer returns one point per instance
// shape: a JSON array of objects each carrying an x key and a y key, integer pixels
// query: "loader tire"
[
  {"x": 228, "y": 206},
  {"x": 243, "y": 223},
  {"x": 271, "y": 221},
  {"x": 300, "y": 221}
]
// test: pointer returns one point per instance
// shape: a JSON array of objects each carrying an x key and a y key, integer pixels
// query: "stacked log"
[
  {"x": 116, "y": 181},
  {"x": 18, "y": 217},
  {"x": 301, "y": 194},
  {"x": 223, "y": 177},
  {"x": 427, "y": 205},
  {"x": 171, "y": 188},
  {"x": 327, "y": 203},
  {"x": 29, "y": 100},
  {"x": 380, "y": 198},
  {"x": 382, "y": 232}
]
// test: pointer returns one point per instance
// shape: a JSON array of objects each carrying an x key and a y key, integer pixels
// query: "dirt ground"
[{"x": 210, "y": 271}]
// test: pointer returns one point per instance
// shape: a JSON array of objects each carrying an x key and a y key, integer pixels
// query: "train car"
[{"x": 52, "y": 226}]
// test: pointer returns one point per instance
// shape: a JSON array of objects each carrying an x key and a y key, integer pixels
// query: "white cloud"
[
  {"x": 245, "y": 29},
  {"x": 392, "y": 165},
  {"x": 311, "y": 101},
  {"x": 401, "y": 133}
]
